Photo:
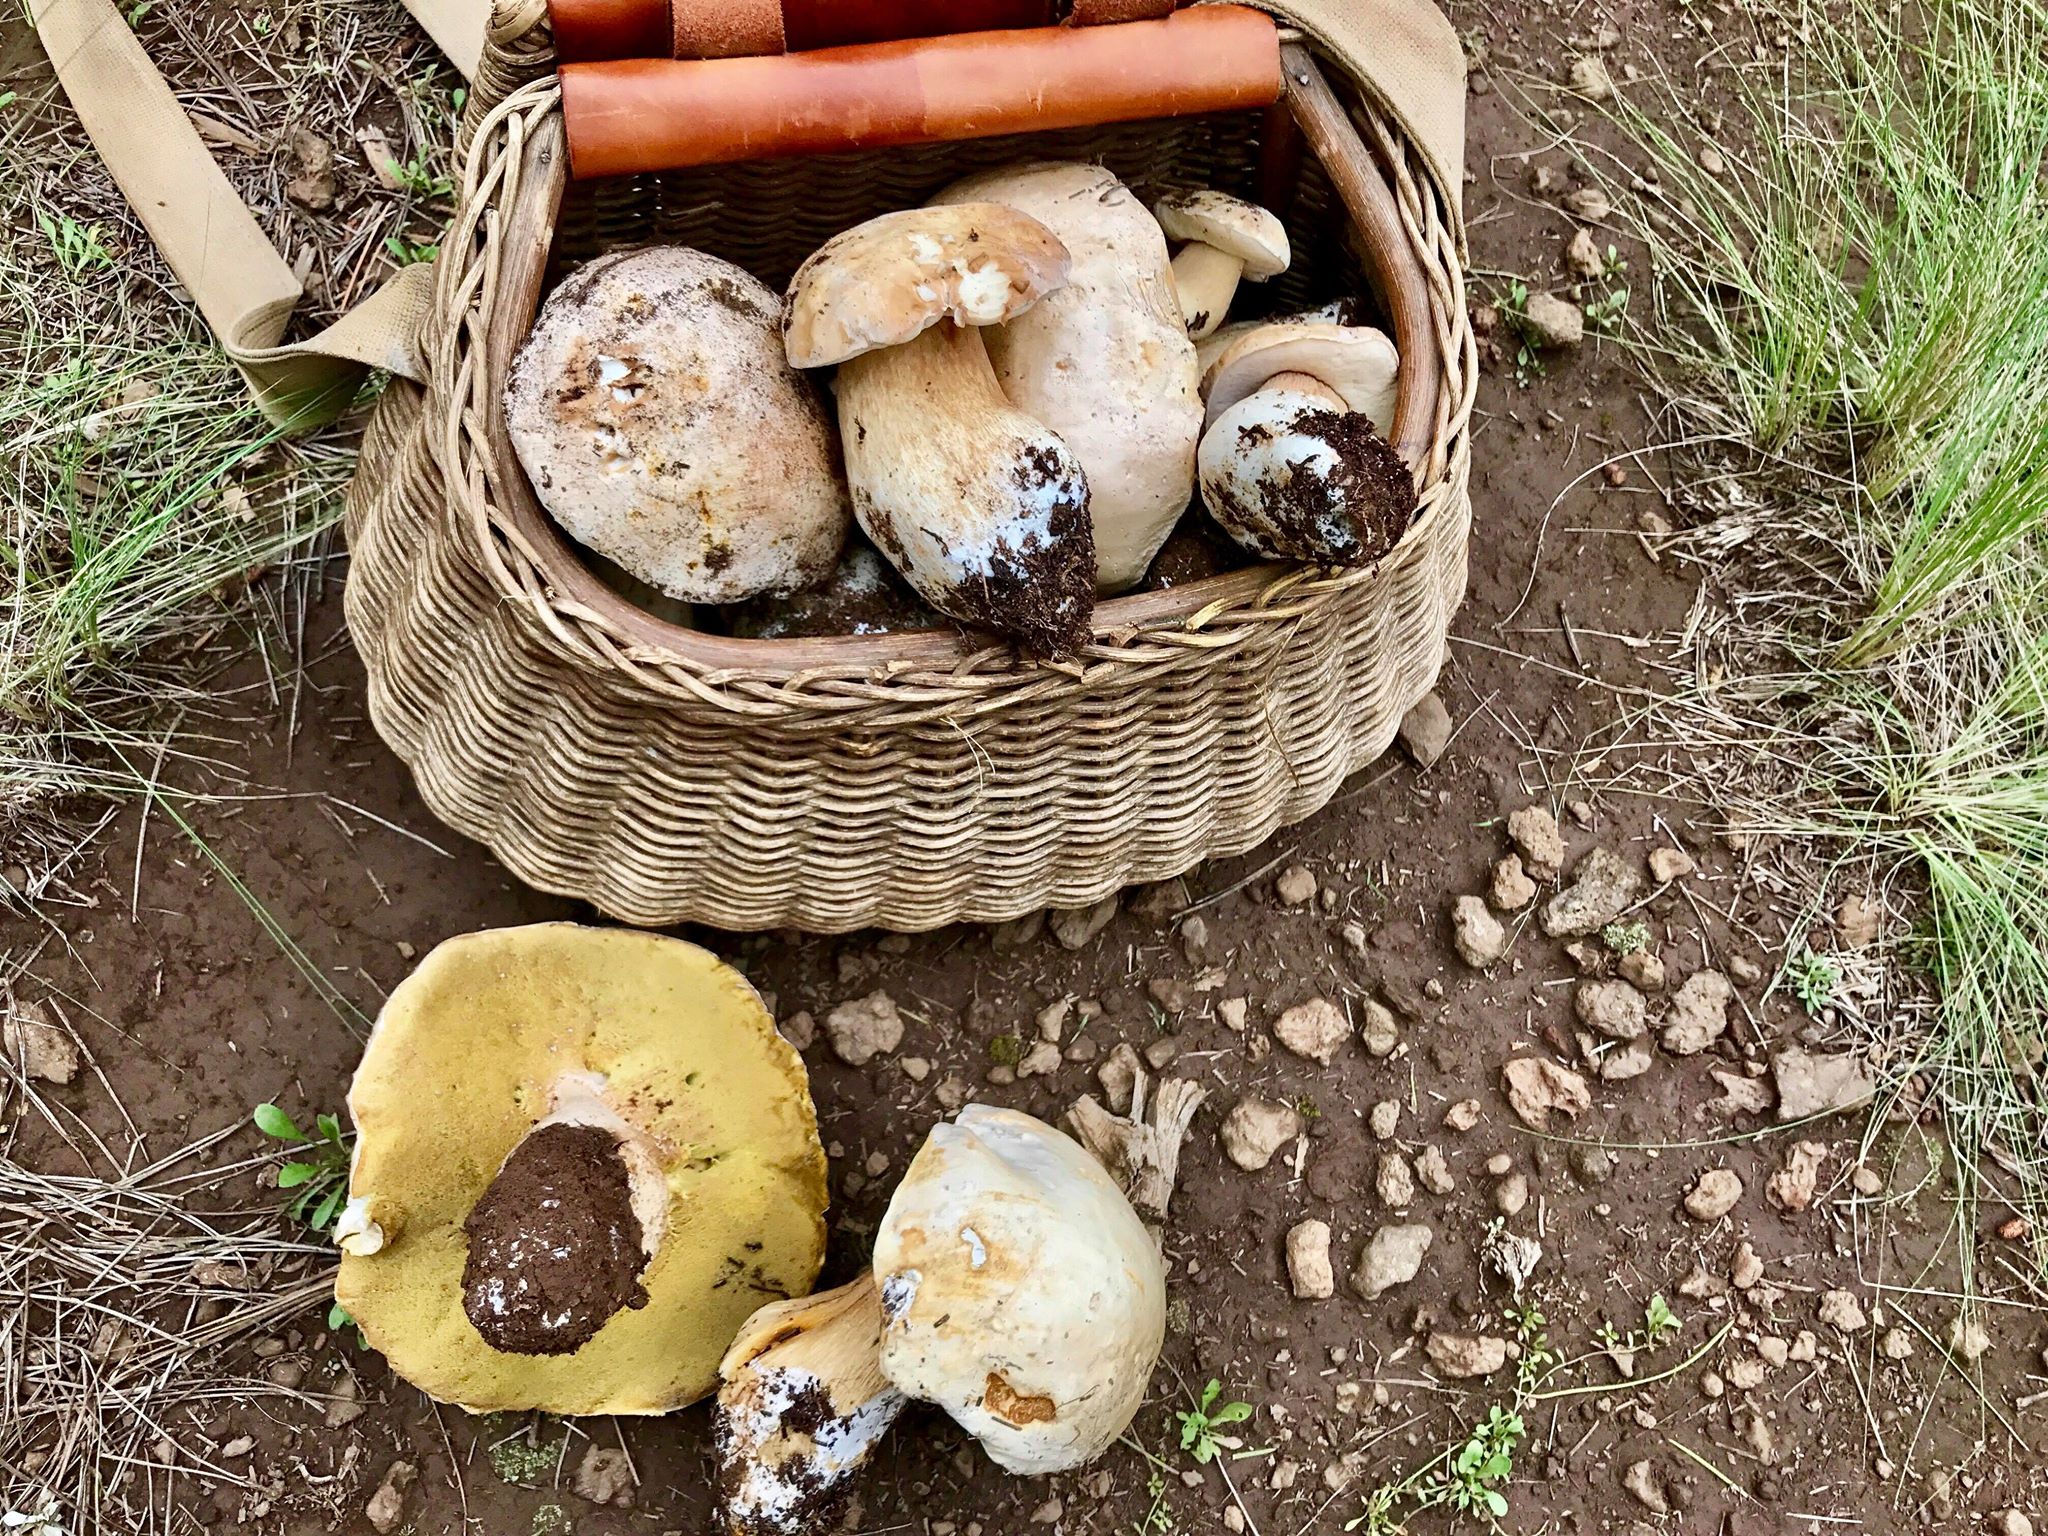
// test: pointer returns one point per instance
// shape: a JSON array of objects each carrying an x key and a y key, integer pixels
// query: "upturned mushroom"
[
  {"x": 1105, "y": 361},
  {"x": 1013, "y": 1286},
  {"x": 583, "y": 1157},
  {"x": 1228, "y": 241},
  {"x": 660, "y": 425},
  {"x": 1293, "y": 463},
  {"x": 982, "y": 508}
]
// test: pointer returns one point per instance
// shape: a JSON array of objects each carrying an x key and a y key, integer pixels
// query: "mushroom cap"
[
  {"x": 1020, "y": 1291},
  {"x": 491, "y": 1035},
  {"x": 1105, "y": 362},
  {"x": 660, "y": 425},
  {"x": 883, "y": 282},
  {"x": 1290, "y": 478},
  {"x": 1252, "y": 234},
  {"x": 1355, "y": 360}
]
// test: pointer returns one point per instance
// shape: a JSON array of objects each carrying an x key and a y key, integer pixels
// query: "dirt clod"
[
  {"x": 1308, "y": 1260},
  {"x": 1463, "y": 1356},
  {"x": 1510, "y": 889},
  {"x": 1642, "y": 969},
  {"x": 1810, "y": 1084},
  {"x": 1602, "y": 887},
  {"x": 1841, "y": 1311},
  {"x": 1394, "y": 1181},
  {"x": 1713, "y": 1194},
  {"x": 1534, "y": 831},
  {"x": 1426, "y": 730},
  {"x": 1378, "y": 1030},
  {"x": 1537, "y": 1086},
  {"x": 1553, "y": 322},
  {"x": 1792, "y": 1187},
  {"x": 39, "y": 1046},
  {"x": 1296, "y": 886},
  {"x": 864, "y": 1028},
  {"x": 1699, "y": 1013},
  {"x": 1612, "y": 1008},
  {"x": 1314, "y": 1030},
  {"x": 605, "y": 1476},
  {"x": 1392, "y": 1256},
  {"x": 1256, "y": 1129},
  {"x": 1073, "y": 927},
  {"x": 1433, "y": 1172},
  {"x": 1669, "y": 864},
  {"x": 1646, "y": 1488},
  {"x": 1477, "y": 933}
]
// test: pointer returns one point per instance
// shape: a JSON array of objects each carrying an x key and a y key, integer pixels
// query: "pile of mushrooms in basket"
[
  {"x": 1028, "y": 384},
  {"x": 588, "y": 1180}
]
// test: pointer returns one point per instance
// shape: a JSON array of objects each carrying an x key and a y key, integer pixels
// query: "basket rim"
[{"x": 516, "y": 156}]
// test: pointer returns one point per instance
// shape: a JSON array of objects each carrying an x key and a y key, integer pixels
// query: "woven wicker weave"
[{"x": 899, "y": 781}]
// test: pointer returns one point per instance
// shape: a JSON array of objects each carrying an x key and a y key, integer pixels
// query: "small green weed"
[
  {"x": 1659, "y": 1324},
  {"x": 1308, "y": 1108},
  {"x": 1158, "y": 1519},
  {"x": 1199, "y": 1425},
  {"x": 1514, "y": 308},
  {"x": 340, "y": 1318},
  {"x": 518, "y": 1455},
  {"x": 1537, "y": 1357},
  {"x": 406, "y": 254},
  {"x": 1472, "y": 1479},
  {"x": 552, "y": 1520},
  {"x": 1626, "y": 938},
  {"x": 1006, "y": 1050},
  {"x": 79, "y": 247},
  {"x": 1814, "y": 979},
  {"x": 319, "y": 1179},
  {"x": 416, "y": 177}
]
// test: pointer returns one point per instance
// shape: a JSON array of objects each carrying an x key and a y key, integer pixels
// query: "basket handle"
[{"x": 631, "y": 115}]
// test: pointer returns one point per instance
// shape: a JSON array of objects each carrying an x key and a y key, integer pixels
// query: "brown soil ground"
[{"x": 196, "y": 1015}]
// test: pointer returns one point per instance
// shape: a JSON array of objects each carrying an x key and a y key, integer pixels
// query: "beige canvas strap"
[
  {"x": 1408, "y": 53},
  {"x": 243, "y": 287}
]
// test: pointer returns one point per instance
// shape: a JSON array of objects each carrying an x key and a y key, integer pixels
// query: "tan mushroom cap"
[
  {"x": 1252, "y": 234},
  {"x": 489, "y": 1037},
  {"x": 883, "y": 282},
  {"x": 1358, "y": 362}
]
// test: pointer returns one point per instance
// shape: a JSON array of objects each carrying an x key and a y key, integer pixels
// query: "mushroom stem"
[
  {"x": 983, "y": 510},
  {"x": 1206, "y": 279},
  {"x": 802, "y": 1406},
  {"x": 1306, "y": 384},
  {"x": 1141, "y": 1149}
]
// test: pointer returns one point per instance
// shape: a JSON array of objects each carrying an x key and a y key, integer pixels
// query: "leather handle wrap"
[{"x": 632, "y": 115}]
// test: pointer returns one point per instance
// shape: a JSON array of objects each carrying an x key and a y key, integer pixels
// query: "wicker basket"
[{"x": 900, "y": 780}]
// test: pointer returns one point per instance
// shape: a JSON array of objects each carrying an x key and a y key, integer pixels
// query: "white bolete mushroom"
[
  {"x": 660, "y": 425},
  {"x": 982, "y": 508},
  {"x": 1105, "y": 361},
  {"x": 1293, "y": 463},
  {"x": 1013, "y": 1286},
  {"x": 1228, "y": 241}
]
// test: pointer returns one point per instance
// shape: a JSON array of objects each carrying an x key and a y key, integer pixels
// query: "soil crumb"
[{"x": 554, "y": 1246}]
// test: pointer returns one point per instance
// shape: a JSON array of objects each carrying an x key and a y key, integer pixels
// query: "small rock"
[
  {"x": 864, "y": 1028},
  {"x": 238, "y": 1447},
  {"x": 387, "y": 1504},
  {"x": 1194, "y": 936},
  {"x": 1160, "y": 1053},
  {"x": 1544, "y": 180},
  {"x": 1603, "y": 885},
  {"x": 312, "y": 187},
  {"x": 1640, "y": 1480},
  {"x": 1805, "y": 1346},
  {"x": 1589, "y": 204},
  {"x": 1588, "y": 76},
  {"x": 953, "y": 1091},
  {"x": 1049, "y": 1512},
  {"x": 1592, "y": 1165},
  {"x": 1392, "y": 1257},
  {"x": 42, "y": 1048},
  {"x": 1433, "y": 1172},
  {"x": 1745, "y": 970},
  {"x": 1073, "y": 927},
  {"x": 1052, "y": 1019},
  {"x": 1017, "y": 932},
  {"x": 1711, "y": 1384},
  {"x": 1841, "y": 1311},
  {"x": 1308, "y": 1260},
  {"x": 1758, "y": 1435},
  {"x": 1613, "y": 1008},
  {"x": 1534, "y": 831},
  {"x": 2012, "y": 1522},
  {"x": 1426, "y": 730},
  {"x": 1160, "y": 901},
  {"x": 1295, "y": 886},
  {"x": 1740, "y": 1094},
  {"x": 1713, "y": 1194},
  {"x": 1866, "y": 1181},
  {"x": 1394, "y": 1181},
  {"x": 1746, "y": 1373},
  {"x": 1477, "y": 933},
  {"x": 605, "y": 1476},
  {"x": 1170, "y": 993},
  {"x": 1042, "y": 1059},
  {"x": 1511, "y": 1194},
  {"x": 1698, "y": 1015},
  {"x": 1968, "y": 1339},
  {"x": 346, "y": 1405},
  {"x": 1511, "y": 888},
  {"x": 1553, "y": 322},
  {"x": 1711, "y": 161},
  {"x": 1536, "y": 1086},
  {"x": 1462, "y": 1116},
  {"x": 1627, "y": 1060},
  {"x": 1232, "y": 1012},
  {"x": 1385, "y": 1119},
  {"x": 1641, "y": 969},
  {"x": 1379, "y": 1032},
  {"x": 1256, "y": 1129},
  {"x": 1313, "y": 1029},
  {"x": 1792, "y": 1187},
  {"x": 1500, "y": 1165},
  {"x": 1462, "y": 1356},
  {"x": 1774, "y": 1349},
  {"x": 799, "y": 1029},
  {"x": 1745, "y": 1269},
  {"x": 1669, "y": 864},
  {"x": 1582, "y": 258},
  {"x": 1897, "y": 1344},
  {"x": 1118, "y": 1075},
  {"x": 1810, "y": 1084},
  {"x": 916, "y": 1068}
]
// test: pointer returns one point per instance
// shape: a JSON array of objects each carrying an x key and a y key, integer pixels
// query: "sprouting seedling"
[
  {"x": 1626, "y": 938},
  {"x": 1199, "y": 1425},
  {"x": 1814, "y": 979},
  {"x": 339, "y": 1318},
  {"x": 416, "y": 177},
  {"x": 1472, "y": 1478},
  {"x": 318, "y": 1178},
  {"x": 407, "y": 254},
  {"x": 1659, "y": 1324}
]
